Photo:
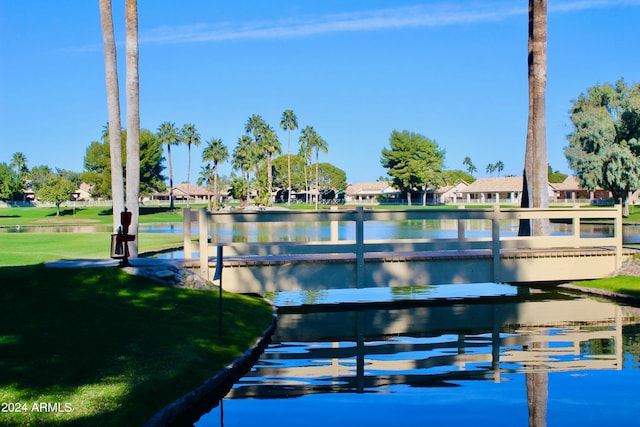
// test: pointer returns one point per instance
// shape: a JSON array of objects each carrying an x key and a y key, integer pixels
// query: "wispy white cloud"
[
  {"x": 425, "y": 15},
  {"x": 371, "y": 20}
]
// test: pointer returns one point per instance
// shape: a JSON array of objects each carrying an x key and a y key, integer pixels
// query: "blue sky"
[{"x": 454, "y": 71}]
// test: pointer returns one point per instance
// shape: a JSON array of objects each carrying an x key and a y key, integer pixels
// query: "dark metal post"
[{"x": 218, "y": 276}]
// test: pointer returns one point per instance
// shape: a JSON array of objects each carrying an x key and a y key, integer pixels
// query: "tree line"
[{"x": 256, "y": 168}]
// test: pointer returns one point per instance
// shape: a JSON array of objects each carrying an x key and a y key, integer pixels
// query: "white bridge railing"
[{"x": 207, "y": 239}]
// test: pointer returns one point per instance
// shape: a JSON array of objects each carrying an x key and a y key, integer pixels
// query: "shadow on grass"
[
  {"x": 143, "y": 211},
  {"x": 67, "y": 212},
  {"x": 118, "y": 347}
]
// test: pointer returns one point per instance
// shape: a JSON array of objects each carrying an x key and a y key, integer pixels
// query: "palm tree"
[
  {"x": 471, "y": 168},
  {"x": 215, "y": 152},
  {"x": 314, "y": 143},
  {"x": 499, "y": 166},
  {"x": 305, "y": 153},
  {"x": 190, "y": 136},
  {"x": 270, "y": 145},
  {"x": 242, "y": 158},
  {"x": 113, "y": 109},
  {"x": 289, "y": 122},
  {"x": 207, "y": 175},
  {"x": 19, "y": 163},
  {"x": 255, "y": 126},
  {"x": 535, "y": 180},
  {"x": 133, "y": 122},
  {"x": 491, "y": 168},
  {"x": 168, "y": 135}
]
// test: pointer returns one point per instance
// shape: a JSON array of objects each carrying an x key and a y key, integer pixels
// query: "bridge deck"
[{"x": 248, "y": 260}]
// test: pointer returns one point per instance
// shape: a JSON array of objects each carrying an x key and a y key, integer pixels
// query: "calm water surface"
[{"x": 482, "y": 354}]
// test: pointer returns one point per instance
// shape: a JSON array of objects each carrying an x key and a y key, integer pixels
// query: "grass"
[
  {"x": 33, "y": 248},
  {"x": 30, "y": 216},
  {"x": 626, "y": 285},
  {"x": 102, "y": 347},
  {"x": 110, "y": 347}
]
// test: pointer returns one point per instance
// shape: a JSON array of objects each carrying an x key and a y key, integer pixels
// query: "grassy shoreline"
[
  {"x": 109, "y": 348},
  {"x": 98, "y": 346}
]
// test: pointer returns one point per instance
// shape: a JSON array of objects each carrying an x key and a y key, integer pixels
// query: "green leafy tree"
[
  {"x": 331, "y": 177},
  {"x": 189, "y": 136},
  {"x": 453, "y": 177},
  {"x": 282, "y": 178},
  {"x": 11, "y": 184},
  {"x": 57, "y": 190},
  {"x": 215, "y": 152},
  {"x": 556, "y": 176},
  {"x": 413, "y": 161},
  {"x": 97, "y": 169},
  {"x": 97, "y": 165},
  {"x": 151, "y": 163},
  {"x": 289, "y": 122},
  {"x": 168, "y": 135},
  {"x": 39, "y": 175},
  {"x": 604, "y": 147}
]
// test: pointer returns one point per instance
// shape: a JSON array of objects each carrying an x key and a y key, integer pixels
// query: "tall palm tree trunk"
[
  {"x": 170, "y": 177},
  {"x": 317, "y": 180},
  {"x": 189, "y": 176},
  {"x": 113, "y": 106},
  {"x": 269, "y": 178},
  {"x": 215, "y": 185},
  {"x": 289, "y": 166},
  {"x": 133, "y": 122},
  {"x": 535, "y": 178}
]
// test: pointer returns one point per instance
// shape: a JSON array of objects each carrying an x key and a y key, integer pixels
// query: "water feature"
[{"x": 482, "y": 354}]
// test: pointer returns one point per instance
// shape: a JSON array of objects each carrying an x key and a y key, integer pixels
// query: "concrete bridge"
[{"x": 461, "y": 256}]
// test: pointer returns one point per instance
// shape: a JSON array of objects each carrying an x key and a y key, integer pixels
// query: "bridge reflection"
[{"x": 366, "y": 347}]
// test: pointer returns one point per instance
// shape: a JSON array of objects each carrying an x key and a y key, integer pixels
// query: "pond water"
[
  {"x": 482, "y": 355},
  {"x": 374, "y": 230}
]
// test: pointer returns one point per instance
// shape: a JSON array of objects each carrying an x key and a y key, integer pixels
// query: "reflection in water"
[{"x": 501, "y": 359}]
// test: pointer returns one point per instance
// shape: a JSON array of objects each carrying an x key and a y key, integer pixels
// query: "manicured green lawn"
[
  {"x": 629, "y": 285},
  {"x": 33, "y": 248},
  {"x": 109, "y": 348},
  {"x": 11, "y": 217},
  {"x": 36, "y": 247}
]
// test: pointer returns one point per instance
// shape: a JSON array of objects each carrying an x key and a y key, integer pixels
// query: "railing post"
[
  {"x": 359, "y": 247},
  {"x": 334, "y": 227},
  {"x": 461, "y": 227},
  {"x": 186, "y": 226},
  {"x": 617, "y": 232},
  {"x": 576, "y": 218},
  {"x": 495, "y": 244},
  {"x": 204, "y": 243}
]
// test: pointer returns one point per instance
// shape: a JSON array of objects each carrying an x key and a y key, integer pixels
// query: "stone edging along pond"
[{"x": 186, "y": 410}]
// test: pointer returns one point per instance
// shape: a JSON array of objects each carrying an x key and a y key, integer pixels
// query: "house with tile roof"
[
  {"x": 506, "y": 189},
  {"x": 370, "y": 192},
  {"x": 569, "y": 190}
]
